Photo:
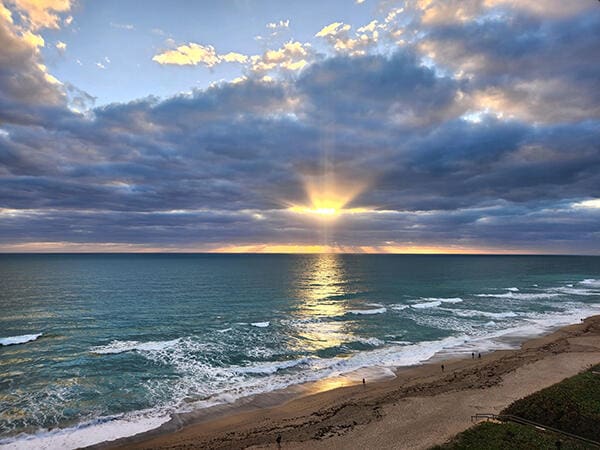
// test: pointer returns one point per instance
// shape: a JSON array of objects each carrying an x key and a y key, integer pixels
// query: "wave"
[
  {"x": 522, "y": 295},
  {"x": 102, "y": 429},
  {"x": 374, "y": 342},
  {"x": 261, "y": 324},
  {"x": 432, "y": 302},
  {"x": 477, "y": 313},
  {"x": 129, "y": 346},
  {"x": 400, "y": 307},
  {"x": 270, "y": 367},
  {"x": 368, "y": 311},
  {"x": 576, "y": 291},
  {"x": 22, "y": 339},
  {"x": 591, "y": 282}
]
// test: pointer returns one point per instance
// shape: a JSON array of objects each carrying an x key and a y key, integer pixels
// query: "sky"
[{"x": 353, "y": 126}]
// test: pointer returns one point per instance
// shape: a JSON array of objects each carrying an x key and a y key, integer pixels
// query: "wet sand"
[{"x": 421, "y": 407}]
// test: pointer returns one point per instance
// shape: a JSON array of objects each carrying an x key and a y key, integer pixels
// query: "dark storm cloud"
[{"x": 220, "y": 166}]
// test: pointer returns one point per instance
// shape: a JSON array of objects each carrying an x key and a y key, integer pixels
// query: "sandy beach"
[{"x": 421, "y": 407}]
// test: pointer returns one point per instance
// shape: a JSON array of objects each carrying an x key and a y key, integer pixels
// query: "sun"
[
  {"x": 324, "y": 212},
  {"x": 328, "y": 199}
]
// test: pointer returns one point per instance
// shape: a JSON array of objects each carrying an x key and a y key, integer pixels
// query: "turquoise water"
[{"x": 100, "y": 346}]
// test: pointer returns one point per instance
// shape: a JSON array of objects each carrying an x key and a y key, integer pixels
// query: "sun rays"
[{"x": 328, "y": 198}]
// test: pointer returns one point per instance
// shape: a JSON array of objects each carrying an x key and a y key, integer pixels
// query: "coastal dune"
[{"x": 421, "y": 407}]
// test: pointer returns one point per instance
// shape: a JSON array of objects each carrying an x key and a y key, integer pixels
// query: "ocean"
[{"x": 97, "y": 346}]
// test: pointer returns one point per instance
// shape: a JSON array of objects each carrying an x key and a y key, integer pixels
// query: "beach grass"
[
  {"x": 573, "y": 406},
  {"x": 502, "y": 436}
]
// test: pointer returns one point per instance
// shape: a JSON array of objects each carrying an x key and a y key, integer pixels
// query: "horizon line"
[{"x": 289, "y": 253}]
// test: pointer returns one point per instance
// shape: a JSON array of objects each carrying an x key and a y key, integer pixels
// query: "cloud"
[
  {"x": 333, "y": 29},
  {"x": 472, "y": 134},
  {"x": 42, "y": 13},
  {"x": 280, "y": 24},
  {"x": 365, "y": 39},
  {"x": 526, "y": 68},
  {"x": 234, "y": 57},
  {"x": 189, "y": 55},
  {"x": 61, "y": 46},
  {"x": 292, "y": 56},
  {"x": 122, "y": 26},
  {"x": 193, "y": 54},
  {"x": 25, "y": 98}
]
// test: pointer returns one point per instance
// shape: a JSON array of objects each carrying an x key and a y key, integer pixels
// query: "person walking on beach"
[
  {"x": 442, "y": 367},
  {"x": 364, "y": 382},
  {"x": 473, "y": 355},
  {"x": 278, "y": 440}
]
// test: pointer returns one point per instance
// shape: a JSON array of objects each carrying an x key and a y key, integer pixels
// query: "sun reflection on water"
[{"x": 324, "y": 282}]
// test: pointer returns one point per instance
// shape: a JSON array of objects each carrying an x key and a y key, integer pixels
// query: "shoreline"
[{"x": 324, "y": 414}]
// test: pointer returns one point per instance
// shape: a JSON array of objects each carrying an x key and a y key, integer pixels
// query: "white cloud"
[
  {"x": 234, "y": 57},
  {"x": 333, "y": 29},
  {"x": 370, "y": 27},
  {"x": 280, "y": 24},
  {"x": 189, "y": 55},
  {"x": 292, "y": 56}
]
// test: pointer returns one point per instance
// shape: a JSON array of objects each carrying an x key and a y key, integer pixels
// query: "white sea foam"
[
  {"x": 591, "y": 282},
  {"x": 269, "y": 367},
  {"x": 432, "y": 302},
  {"x": 425, "y": 305},
  {"x": 513, "y": 289},
  {"x": 225, "y": 330},
  {"x": 22, "y": 339},
  {"x": 400, "y": 307},
  {"x": 130, "y": 346},
  {"x": 370, "y": 341},
  {"x": 477, "y": 313},
  {"x": 368, "y": 311},
  {"x": 85, "y": 434},
  {"x": 522, "y": 295},
  {"x": 260, "y": 324}
]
